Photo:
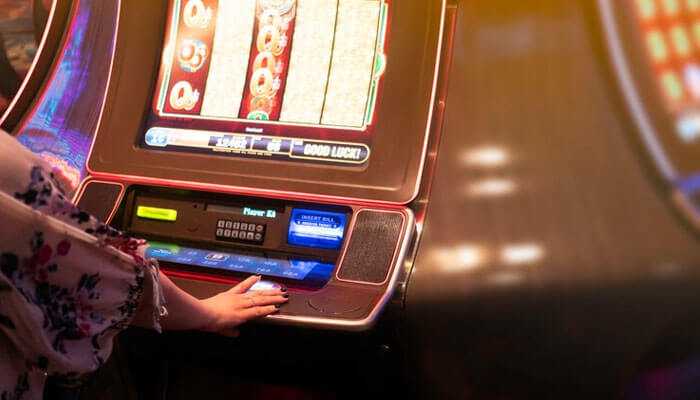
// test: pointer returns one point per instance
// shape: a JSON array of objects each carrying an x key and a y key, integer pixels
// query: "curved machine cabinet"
[{"x": 235, "y": 160}]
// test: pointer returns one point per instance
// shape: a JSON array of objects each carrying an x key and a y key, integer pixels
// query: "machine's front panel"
[
  {"x": 294, "y": 242},
  {"x": 341, "y": 263}
]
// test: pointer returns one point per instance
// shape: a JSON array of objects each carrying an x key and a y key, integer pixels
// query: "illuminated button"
[
  {"x": 681, "y": 42},
  {"x": 221, "y": 223},
  {"x": 689, "y": 128},
  {"x": 227, "y": 233},
  {"x": 244, "y": 226},
  {"x": 671, "y": 7},
  {"x": 691, "y": 75},
  {"x": 156, "y": 213},
  {"x": 265, "y": 285},
  {"x": 219, "y": 232},
  {"x": 236, "y": 225},
  {"x": 672, "y": 86},
  {"x": 229, "y": 224},
  {"x": 259, "y": 228},
  {"x": 234, "y": 235},
  {"x": 657, "y": 46},
  {"x": 216, "y": 257},
  {"x": 251, "y": 227},
  {"x": 647, "y": 8},
  {"x": 250, "y": 236},
  {"x": 696, "y": 33},
  {"x": 258, "y": 237}
]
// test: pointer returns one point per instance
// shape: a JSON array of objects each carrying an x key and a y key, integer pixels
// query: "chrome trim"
[
  {"x": 371, "y": 319},
  {"x": 433, "y": 97}
]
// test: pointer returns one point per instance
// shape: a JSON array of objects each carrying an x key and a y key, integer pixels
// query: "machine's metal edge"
[
  {"x": 115, "y": 37},
  {"x": 371, "y": 319},
  {"x": 87, "y": 181},
  {"x": 433, "y": 98}
]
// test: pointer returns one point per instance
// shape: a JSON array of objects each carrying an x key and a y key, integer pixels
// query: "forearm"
[
  {"x": 221, "y": 314},
  {"x": 185, "y": 312}
]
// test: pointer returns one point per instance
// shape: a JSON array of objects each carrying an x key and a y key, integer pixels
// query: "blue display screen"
[
  {"x": 295, "y": 269},
  {"x": 313, "y": 228}
]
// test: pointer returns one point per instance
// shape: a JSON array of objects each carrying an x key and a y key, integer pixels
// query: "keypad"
[{"x": 238, "y": 231}]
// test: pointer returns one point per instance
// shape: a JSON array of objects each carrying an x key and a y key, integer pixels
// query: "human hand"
[{"x": 236, "y": 306}]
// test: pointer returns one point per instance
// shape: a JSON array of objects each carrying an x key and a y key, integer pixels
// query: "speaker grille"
[
  {"x": 99, "y": 199},
  {"x": 373, "y": 243}
]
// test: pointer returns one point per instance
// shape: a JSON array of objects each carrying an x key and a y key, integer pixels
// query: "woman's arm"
[
  {"x": 221, "y": 314},
  {"x": 27, "y": 178}
]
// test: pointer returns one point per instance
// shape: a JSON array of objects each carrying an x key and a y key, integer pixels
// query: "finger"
[
  {"x": 258, "y": 301},
  {"x": 246, "y": 284},
  {"x": 258, "y": 312},
  {"x": 274, "y": 292}
]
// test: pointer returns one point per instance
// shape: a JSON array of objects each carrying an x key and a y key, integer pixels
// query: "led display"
[
  {"x": 313, "y": 228},
  {"x": 295, "y": 269}
]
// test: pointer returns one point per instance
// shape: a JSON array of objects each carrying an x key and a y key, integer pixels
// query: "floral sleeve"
[{"x": 68, "y": 283}]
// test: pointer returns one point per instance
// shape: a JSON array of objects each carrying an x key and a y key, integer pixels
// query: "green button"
[{"x": 160, "y": 214}]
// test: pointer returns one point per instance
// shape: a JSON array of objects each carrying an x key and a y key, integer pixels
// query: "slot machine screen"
[
  {"x": 329, "y": 98},
  {"x": 295, "y": 80}
]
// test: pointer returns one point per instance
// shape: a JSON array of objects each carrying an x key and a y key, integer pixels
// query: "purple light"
[{"x": 61, "y": 125}]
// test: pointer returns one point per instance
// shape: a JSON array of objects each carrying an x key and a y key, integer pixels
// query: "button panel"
[{"x": 238, "y": 231}]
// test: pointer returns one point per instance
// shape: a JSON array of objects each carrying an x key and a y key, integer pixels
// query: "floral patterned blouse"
[{"x": 68, "y": 283}]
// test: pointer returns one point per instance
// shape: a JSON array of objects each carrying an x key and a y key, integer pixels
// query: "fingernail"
[
  {"x": 283, "y": 289},
  {"x": 278, "y": 306},
  {"x": 286, "y": 295}
]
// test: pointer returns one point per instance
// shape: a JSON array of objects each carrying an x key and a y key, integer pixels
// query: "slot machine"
[
  {"x": 529, "y": 233},
  {"x": 277, "y": 138}
]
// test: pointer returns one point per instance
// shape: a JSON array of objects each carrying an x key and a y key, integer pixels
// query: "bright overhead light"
[
  {"x": 492, "y": 187},
  {"x": 486, "y": 157},
  {"x": 460, "y": 258},
  {"x": 520, "y": 254}
]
